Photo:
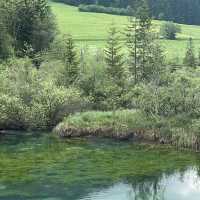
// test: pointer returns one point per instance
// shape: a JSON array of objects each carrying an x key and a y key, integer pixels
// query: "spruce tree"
[
  {"x": 131, "y": 32},
  {"x": 71, "y": 60},
  {"x": 114, "y": 56},
  {"x": 144, "y": 37},
  {"x": 199, "y": 57},
  {"x": 141, "y": 43},
  {"x": 30, "y": 22},
  {"x": 189, "y": 58},
  {"x": 6, "y": 42}
]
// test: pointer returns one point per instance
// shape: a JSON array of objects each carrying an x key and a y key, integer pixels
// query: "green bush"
[
  {"x": 13, "y": 111},
  {"x": 33, "y": 99},
  {"x": 169, "y": 30},
  {"x": 102, "y": 9}
]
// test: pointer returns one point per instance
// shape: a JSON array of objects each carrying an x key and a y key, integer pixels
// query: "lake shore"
[{"x": 124, "y": 125}]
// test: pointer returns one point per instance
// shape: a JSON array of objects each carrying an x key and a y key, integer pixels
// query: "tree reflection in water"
[{"x": 175, "y": 185}]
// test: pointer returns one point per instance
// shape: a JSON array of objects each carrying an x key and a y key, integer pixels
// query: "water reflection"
[
  {"x": 42, "y": 167},
  {"x": 178, "y": 186}
]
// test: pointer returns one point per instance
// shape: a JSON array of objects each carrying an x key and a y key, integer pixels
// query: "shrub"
[
  {"x": 102, "y": 9},
  {"x": 32, "y": 99},
  {"x": 12, "y": 112},
  {"x": 169, "y": 30}
]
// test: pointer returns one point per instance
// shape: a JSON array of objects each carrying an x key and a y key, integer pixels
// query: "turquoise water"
[{"x": 43, "y": 167}]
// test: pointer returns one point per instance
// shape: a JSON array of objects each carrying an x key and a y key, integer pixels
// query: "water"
[{"x": 42, "y": 167}]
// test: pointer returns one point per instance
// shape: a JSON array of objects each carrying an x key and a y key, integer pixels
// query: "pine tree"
[
  {"x": 71, "y": 60},
  {"x": 144, "y": 37},
  {"x": 32, "y": 24},
  {"x": 114, "y": 57},
  {"x": 199, "y": 57},
  {"x": 141, "y": 43},
  {"x": 132, "y": 47},
  {"x": 190, "y": 59},
  {"x": 6, "y": 42}
]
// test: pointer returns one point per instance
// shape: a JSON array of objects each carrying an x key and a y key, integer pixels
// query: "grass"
[
  {"x": 91, "y": 29},
  {"x": 130, "y": 124},
  {"x": 122, "y": 124}
]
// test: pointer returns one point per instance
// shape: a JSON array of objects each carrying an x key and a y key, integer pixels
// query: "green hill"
[{"x": 91, "y": 28}]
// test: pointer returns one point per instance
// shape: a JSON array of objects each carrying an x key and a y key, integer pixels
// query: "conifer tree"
[
  {"x": 141, "y": 43},
  {"x": 71, "y": 60},
  {"x": 189, "y": 58},
  {"x": 29, "y": 22},
  {"x": 114, "y": 56},
  {"x": 6, "y": 42},
  {"x": 132, "y": 47},
  {"x": 199, "y": 57}
]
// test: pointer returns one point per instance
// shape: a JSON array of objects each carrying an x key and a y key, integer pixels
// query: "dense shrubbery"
[
  {"x": 33, "y": 99},
  {"x": 169, "y": 30},
  {"x": 175, "y": 104},
  {"x": 168, "y": 112},
  {"x": 102, "y": 9},
  {"x": 25, "y": 25}
]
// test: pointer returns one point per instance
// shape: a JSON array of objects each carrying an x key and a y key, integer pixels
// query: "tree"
[
  {"x": 29, "y": 23},
  {"x": 189, "y": 58},
  {"x": 199, "y": 57},
  {"x": 114, "y": 57},
  {"x": 169, "y": 30},
  {"x": 6, "y": 41},
  {"x": 132, "y": 47},
  {"x": 71, "y": 60},
  {"x": 141, "y": 44}
]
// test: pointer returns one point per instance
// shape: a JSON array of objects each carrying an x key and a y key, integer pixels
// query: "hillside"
[
  {"x": 91, "y": 28},
  {"x": 179, "y": 11}
]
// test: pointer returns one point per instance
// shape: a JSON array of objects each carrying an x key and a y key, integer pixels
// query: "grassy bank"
[
  {"x": 119, "y": 124},
  {"x": 122, "y": 124},
  {"x": 129, "y": 124}
]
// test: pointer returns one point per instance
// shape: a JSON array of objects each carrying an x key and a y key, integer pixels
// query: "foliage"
[
  {"x": 190, "y": 59},
  {"x": 26, "y": 22},
  {"x": 70, "y": 60},
  {"x": 112, "y": 124},
  {"x": 145, "y": 56},
  {"x": 33, "y": 99},
  {"x": 169, "y": 30},
  {"x": 114, "y": 57},
  {"x": 102, "y": 9}
]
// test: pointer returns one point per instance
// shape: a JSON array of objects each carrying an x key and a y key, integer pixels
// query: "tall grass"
[
  {"x": 130, "y": 124},
  {"x": 117, "y": 124}
]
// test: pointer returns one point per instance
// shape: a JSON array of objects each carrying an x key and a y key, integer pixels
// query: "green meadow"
[{"x": 90, "y": 29}]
